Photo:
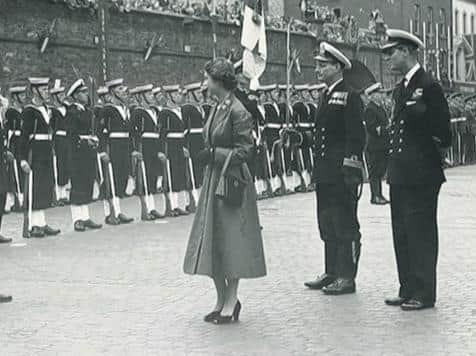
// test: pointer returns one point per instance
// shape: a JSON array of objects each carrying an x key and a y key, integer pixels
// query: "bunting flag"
[
  {"x": 253, "y": 40},
  {"x": 294, "y": 61}
]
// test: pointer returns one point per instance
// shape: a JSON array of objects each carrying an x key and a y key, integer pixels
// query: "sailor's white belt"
[
  {"x": 15, "y": 132},
  {"x": 150, "y": 135},
  {"x": 458, "y": 119},
  {"x": 273, "y": 126},
  {"x": 198, "y": 130},
  {"x": 288, "y": 125},
  {"x": 41, "y": 137},
  {"x": 60, "y": 133},
  {"x": 119, "y": 135},
  {"x": 305, "y": 124},
  {"x": 88, "y": 137},
  {"x": 175, "y": 135}
]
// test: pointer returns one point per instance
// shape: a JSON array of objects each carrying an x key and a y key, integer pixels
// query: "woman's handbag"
[{"x": 230, "y": 189}]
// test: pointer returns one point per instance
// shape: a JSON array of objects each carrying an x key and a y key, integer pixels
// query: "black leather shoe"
[
  {"x": 340, "y": 286},
  {"x": 125, "y": 219},
  {"x": 37, "y": 232},
  {"x": 79, "y": 226},
  {"x": 320, "y": 282},
  {"x": 5, "y": 240},
  {"x": 49, "y": 231},
  {"x": 211, "y": 316},
  {"x": 156, "y": 214},
  {"x": 147, "y": 217},
  {"x": 414, "y": 304},
  {"x": 112, "y": 220},
  {"x": 396, "y": 301},
  {"x": 191, "y": 209},
  {"x": 92, "y": 225},
  {"x": 181, "y": 212},
  {"x": 5, "y": 298}
]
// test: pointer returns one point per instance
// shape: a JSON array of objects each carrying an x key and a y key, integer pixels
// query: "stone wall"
[{"x": 186, "y": 45}]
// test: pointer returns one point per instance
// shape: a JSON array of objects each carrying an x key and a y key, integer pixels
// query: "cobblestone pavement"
[{"x": 121, "y": 291}]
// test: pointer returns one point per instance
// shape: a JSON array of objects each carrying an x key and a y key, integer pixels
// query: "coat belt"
[
  {"x": 197, "y": 130},
  {"x": 41, "y": 137},
  {"x": 175, "y": 135},
  {"x": 150, "y": 135},
  {"x": 60, "y": 133},
  {"x": 119, "y": 135},
  {"x": 273, "y": 126},
  {"x": 14, "y": 132}
]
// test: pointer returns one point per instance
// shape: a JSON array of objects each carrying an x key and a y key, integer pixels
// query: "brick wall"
[{"x": 186, "y": 46}]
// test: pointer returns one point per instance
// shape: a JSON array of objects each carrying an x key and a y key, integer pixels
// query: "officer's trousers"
[
  {"x": 339, "y": 228},
  {"x": 415, "y": 238}
]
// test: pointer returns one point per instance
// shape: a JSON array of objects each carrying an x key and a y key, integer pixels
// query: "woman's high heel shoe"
[
  {"x": 211, "y": 316},
  {"x": 227, "y": 319}
]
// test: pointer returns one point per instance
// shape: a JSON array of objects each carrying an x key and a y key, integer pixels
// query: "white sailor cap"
[
  {"x": 17, "y": 90},
  {"x": 57, "y": 88},
  {"x": 373, "y": 88},
  {"x": 103, "y": 90},
  {"x": 328, "y": 53},
  {"x": 114, "y": 83},
  {"x": 171, "y": 88},
  {"x": 319, "y": 86},
  {"x": 400, "y": 37},
  {"x": 193, "y": 86},
  {"x": 156, "y": 90},
  {"x": 75, "y": 87},
  {"x": 38, "y": 81},
  {"x": 141, "y": 89},
  {"x": 300, "y": 87}
]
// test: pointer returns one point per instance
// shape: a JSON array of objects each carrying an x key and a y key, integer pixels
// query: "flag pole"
[{"x": 288, "y": 71}]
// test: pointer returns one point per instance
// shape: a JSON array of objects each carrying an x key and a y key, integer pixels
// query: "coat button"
[
  {"x": 401, "y": 140},
  {"x": 392, "y": 132},
  {"x": 323, "y": 138},
  {"x": 401, "y": 131},
  {"x": 391, "y": 141}
]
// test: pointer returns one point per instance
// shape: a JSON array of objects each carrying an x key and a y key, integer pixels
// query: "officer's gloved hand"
[
  {"x": 137, "y": 155},
  {"x": 25, "y": 166},
  {"x": 162, "y": 157},
  {"x": 105, "y": 158},
  {"x": 9, "y": 157},
  {"x": 186, "y": 153},
  {"x": 353, "y": 173},
  {"x": 205, "y": 156}
]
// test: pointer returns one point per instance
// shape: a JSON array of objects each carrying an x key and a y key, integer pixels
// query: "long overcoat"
[{"x": 226, "y": 241}]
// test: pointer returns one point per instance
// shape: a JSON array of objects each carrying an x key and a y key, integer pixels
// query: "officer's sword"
[{"x": 17, "y": 182}]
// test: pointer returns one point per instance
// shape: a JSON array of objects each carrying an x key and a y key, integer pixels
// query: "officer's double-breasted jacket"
[
  {"x": 420, "y": 126},
  {"x": 338, "y": 133}
]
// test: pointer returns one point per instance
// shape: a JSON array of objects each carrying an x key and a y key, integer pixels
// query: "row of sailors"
[{"x": 67, "y": 148}]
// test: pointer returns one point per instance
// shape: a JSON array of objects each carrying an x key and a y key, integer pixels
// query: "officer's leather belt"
[
  {"x": 119, "y": 135},
  {"x": 14, "y": 132},
  {"x": 273, "y": 126},
  {"x": 150, "y": 135},
  {"x": 175, "y": 135},
  {"x": 60, "y": 133},
  {"x": 41, "y": 137}
]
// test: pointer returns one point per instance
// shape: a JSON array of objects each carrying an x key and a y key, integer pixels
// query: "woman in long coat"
[{"x": 225, "y": 242}]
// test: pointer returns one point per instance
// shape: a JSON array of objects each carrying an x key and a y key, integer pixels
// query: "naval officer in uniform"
[
  {"x": 338, "y": 141},
  {"x": 419, "y": 133}
]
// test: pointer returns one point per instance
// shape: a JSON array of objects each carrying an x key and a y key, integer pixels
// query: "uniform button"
[
  {"x": 392, "y": 132},
  {"x": 401, "y": 130},
  {"x": 323, "y": 154},
  {"x": 399, "y": 150},
  {"x": 323, "y": 146},
  {"x": 401, "y": 122},
  {"x": 401, "y": 140},
  {"x": 323, "y": 129},
  {"x": 391, "y": 141},
  {"x": 390, "y": 151},
  {"x": 323, "y": 138}
]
